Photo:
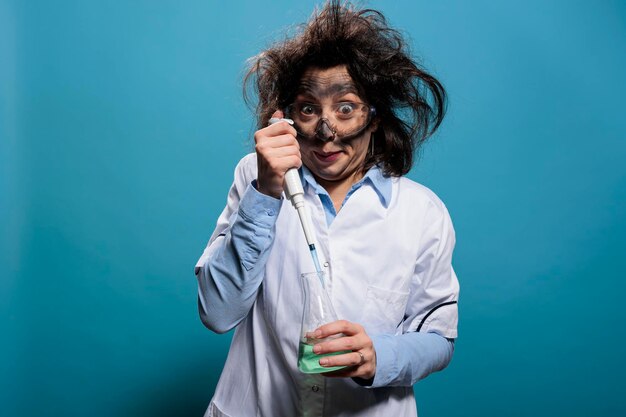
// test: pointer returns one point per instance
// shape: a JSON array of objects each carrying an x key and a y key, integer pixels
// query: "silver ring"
[{"x": 362, "y": 358}]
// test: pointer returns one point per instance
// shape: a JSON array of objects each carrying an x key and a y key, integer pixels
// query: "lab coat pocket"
[{"x": 384, "y": 310}]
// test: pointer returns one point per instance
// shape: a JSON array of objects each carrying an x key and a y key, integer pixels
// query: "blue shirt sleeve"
[
  {"x": 402, "y": 360},
  {"x": 229, "y": 280}
]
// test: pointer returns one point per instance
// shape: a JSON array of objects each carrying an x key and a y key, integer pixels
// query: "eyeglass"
[{"x": 345, "y": 119}]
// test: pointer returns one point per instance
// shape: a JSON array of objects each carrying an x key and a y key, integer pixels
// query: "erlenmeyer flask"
[{"x": 317, "y": 310}]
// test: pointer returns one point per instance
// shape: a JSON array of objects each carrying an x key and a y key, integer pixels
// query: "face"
[{"x": 323, "y": 101}]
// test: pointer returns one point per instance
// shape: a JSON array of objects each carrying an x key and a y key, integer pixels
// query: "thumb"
[{"x": 278, "y": 116}]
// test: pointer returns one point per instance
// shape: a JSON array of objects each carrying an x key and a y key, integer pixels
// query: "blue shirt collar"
[{"x": 380, "y": 182}]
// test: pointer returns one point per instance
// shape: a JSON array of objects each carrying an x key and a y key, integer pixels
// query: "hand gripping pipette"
[{"x": 295, "y": 193}]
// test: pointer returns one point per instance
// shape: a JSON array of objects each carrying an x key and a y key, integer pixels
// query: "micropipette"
[{"x": 295, "y": 193}]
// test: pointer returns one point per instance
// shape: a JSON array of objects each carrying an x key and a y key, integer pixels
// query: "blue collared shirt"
[{"x": 374, "y": 177}]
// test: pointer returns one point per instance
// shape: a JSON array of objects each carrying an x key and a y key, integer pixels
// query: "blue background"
[{"x": 120, "y": 125}]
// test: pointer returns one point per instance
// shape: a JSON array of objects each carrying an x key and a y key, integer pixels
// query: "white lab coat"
[{"x": 387, "y": 269}]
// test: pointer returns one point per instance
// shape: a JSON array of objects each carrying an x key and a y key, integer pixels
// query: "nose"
[{"x": 324, "y": 131}]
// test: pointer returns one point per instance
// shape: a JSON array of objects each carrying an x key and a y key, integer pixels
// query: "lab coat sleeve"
[
  {"x": 230, "y": 270},
  {"x": 432, "y": 304},
  {"x": 426, "y": 342}
]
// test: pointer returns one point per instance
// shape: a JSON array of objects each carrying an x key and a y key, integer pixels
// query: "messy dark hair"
[{"x": 410, "y": 103}]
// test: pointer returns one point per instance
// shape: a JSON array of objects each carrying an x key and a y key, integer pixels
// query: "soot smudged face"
[{"x": 331, "y": 159}]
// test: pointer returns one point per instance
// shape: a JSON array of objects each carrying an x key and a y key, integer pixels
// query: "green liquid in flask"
[{"x": 308, "y": 362}]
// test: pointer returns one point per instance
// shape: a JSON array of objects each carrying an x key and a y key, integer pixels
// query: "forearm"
[
  {"x": 229, "y": 279},
  {"x": 405, "y": 359}
]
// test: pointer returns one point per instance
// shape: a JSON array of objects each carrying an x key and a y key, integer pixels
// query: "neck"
[{"x": 338, "y": 189}]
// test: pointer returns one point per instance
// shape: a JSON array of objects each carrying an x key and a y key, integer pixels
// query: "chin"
[
  {"x": 324, "y": 173},
  {"x": 328, "y": 173}
]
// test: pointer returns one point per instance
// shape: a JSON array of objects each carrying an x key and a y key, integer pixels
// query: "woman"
[{"x": 360, "y": 107}]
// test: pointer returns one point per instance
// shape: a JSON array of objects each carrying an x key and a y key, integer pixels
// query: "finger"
[
  {"x": 364, "y": 367},
  {"x": 278, "y": 114},
  {"x": 281, "y": 151},
  {"x": 337, "y": 327},
  {"x": 267, "y": 152},
  {"x": 337, "y": 345},
  {"x": 283, "y": 164},
  {"x": 347, "y": 359},
  {"x": 278, "y": 117},
  {"x": 277, "y": 141},
  {"x": 344, "y": 359},
  {"x": 276, "y": 129}
]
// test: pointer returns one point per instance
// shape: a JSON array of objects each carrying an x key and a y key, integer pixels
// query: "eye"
[
  {"x": 307, "y": 109},
  {"x": 346, "y": 109}
]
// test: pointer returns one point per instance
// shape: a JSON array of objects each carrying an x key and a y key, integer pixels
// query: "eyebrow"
[{"x": 315, "y": 88}]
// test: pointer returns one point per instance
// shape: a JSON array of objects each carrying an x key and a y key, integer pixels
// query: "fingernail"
[
  {"x": 323, "y": 362},
  {"x": 318, "y": 333},
  {"x": 316, "y": 349}
]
